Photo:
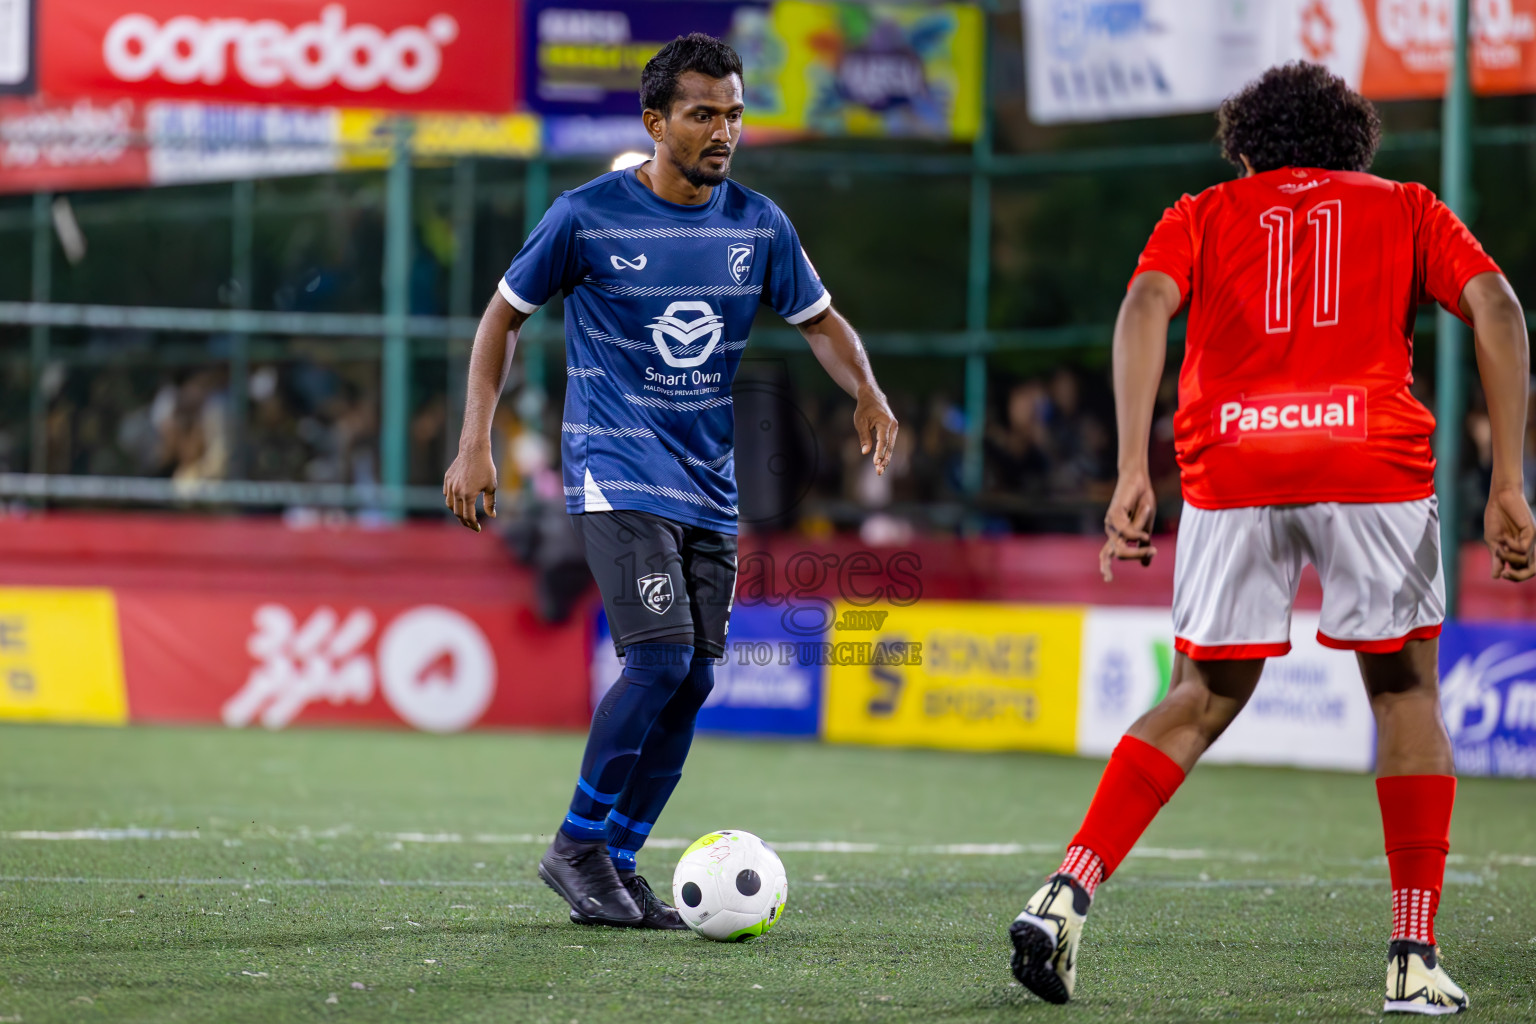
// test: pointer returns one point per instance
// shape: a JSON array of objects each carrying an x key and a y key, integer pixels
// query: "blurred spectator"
[
  {"x": 1049, "y": 447},
  {"x": 1019, "y": 448},
  {"x": 938, "y": 441}
]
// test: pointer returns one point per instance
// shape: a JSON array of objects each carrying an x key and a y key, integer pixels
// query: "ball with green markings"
[{"x": 730, "y": 886}]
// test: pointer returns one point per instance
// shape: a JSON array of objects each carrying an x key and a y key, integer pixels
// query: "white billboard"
[
  {"x": 1097, "y": 60},
  {"x": 1309, "y": 711}
]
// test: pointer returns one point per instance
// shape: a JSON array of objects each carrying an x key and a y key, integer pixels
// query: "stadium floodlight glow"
[{"x": 633, "y": 158}]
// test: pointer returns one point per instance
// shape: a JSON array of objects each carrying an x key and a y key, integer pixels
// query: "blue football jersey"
[{"x": 659, "y": 300}]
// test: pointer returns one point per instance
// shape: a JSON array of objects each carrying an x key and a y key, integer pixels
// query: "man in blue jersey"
[{"x": 663, "y": 268}]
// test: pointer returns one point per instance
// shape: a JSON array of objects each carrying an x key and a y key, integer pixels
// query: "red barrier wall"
[{"x": 251, "y": 622}]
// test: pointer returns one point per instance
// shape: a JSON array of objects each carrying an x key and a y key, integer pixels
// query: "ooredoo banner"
[
  {"x": 1310, "y": 708},
  {"x": 246, "y": 662},
  {"x": 77, "y": 145},
  {"x": 388, "y": 54}
]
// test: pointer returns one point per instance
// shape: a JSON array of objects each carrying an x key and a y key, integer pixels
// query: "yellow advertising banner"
[
  {"x": 365, "y": 136},
  {"x": 958, "y": 675},
  {"x": 864, "y": 69},
  {"x": 60, "y": 656}
]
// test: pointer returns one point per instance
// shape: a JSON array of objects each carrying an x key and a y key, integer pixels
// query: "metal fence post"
[
  {"x": 978, "y": 284},
  {"x": 242, "y": 215},
  {"x": 461, "y": 292},
  {"x": 1450, "y": 332},
  {"x": 535, "y": 203},
  {"x": 42, "y": 287},
  {"x": 395, "y": 364}
]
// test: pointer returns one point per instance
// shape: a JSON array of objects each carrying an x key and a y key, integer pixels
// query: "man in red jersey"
[{"x": 1299, "y": 442}]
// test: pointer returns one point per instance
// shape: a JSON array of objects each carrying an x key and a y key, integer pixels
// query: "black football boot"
[
  {"x": 584, "y": 876},
  {"x": 655, "y": 913}
]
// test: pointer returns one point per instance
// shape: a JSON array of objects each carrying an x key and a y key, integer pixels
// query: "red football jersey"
[{"x": 1302, "y": 287}]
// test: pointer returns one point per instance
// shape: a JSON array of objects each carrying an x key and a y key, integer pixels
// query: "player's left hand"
[
  {"x": 877, "y": 427},
  {"x": 1128, "y": 523},
  {"x": 1510, "y": 535}
]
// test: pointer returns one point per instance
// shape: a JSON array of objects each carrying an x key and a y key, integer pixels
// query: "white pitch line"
[
  {"x": 477, "y": 883},
  {"x": 792, "y": 846},
  {"x": 307, "y": 883},
  {"x": 107, "y": 834}
]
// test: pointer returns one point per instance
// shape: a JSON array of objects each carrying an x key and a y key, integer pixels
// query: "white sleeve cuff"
[
  {"x": 809, "y": 311},
  {"x": 517, "y": 302}
]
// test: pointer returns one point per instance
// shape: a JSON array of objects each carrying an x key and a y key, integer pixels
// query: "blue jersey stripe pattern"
[{"x": 659, "y": 299}]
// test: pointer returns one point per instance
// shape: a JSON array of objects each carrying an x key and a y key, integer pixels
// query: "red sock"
[
  {"x": 1137, "y": 782},
  {"x": 1416, "y": 819}
]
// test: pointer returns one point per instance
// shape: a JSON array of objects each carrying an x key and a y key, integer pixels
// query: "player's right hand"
[
  {"x": 472, "y": 474},
  {"x": 1510, "y": 535},
  {"x": 1128, "y": 523}
]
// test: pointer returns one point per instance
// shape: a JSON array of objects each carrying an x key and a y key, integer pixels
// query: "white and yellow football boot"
[
  {"x": 1416, "y": 983},
  {"x": 1045, "y": 938}
]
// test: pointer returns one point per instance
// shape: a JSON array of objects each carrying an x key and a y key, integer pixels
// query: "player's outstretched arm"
[
  {"x": 474, "y": 472},
  {"x": 1141, "y": 346},
  {"x": 841, "y": 354},
  {"x": 1504, "y": 363}
]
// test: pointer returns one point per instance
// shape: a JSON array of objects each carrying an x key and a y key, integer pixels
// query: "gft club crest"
[
  {"x": 656, "y": 592},
  {"x": 687, "y": 331},
  {"x": 739, "y": 259}
]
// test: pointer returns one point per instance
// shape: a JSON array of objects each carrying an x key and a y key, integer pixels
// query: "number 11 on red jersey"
[{"x": 1327, "y": 221}]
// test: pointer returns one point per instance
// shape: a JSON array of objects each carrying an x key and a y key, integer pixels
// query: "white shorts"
[{"x": 1236, "y": 570}]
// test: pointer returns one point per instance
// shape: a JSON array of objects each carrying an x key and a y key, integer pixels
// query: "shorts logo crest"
[
  {"x": 739, "y": 258},
  {"x": 656, "y": 592}
]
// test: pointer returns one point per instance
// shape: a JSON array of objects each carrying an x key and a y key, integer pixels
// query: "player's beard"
[{"x": 698, "y": 175}]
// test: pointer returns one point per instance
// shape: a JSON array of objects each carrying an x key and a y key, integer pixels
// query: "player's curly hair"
[
  {"x": 1298, "y": 115},
  {"x": 695, "y": 52}
]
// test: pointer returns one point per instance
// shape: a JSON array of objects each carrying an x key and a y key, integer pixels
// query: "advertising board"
[
  {"x": 59, "y": 656},
  {"x": 954, "y": 674},
  {"x": 1488, "y": 694},
  {"x": 762, "y": 686},
  {"x": 394, "y": 54},
  {"x": 275, "y": 662},
  {"x": 1310, "y": 708},
  {"x": 1090, "y": 60}
]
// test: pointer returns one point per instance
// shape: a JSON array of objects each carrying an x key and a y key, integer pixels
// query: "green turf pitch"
[{"x": 372, "y": 876}]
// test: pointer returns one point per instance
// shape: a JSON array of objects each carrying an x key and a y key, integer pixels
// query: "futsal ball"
[{"x": 730, "y": 886}]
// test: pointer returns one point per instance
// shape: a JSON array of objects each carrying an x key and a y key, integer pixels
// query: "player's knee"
[
  {"x": 700, "y": 682},
  {"x": 1193, "y": 703},
  {"x": 663, "y": 666},
  {"x": 1412, "y": 671}
]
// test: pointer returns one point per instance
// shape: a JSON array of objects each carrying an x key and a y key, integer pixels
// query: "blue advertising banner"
[
  {"x": 583, "y": 57},
  {"x": 763, "y": 686},
  {"x": 1488, "y": 693}
]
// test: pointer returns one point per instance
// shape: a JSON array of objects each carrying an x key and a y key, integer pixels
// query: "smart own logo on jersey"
[{"x": 687, "y": 330}]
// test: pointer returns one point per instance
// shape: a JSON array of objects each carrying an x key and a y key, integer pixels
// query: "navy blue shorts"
[{"x": 659, "y": 577}]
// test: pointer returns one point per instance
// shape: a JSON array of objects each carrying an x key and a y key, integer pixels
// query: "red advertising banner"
[
  {"x": 66, "y": 146},
  {"x": 1409, "y": 48},
  {"x": 385, "y": 54},
  {"x": 191, "y": 656}
]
